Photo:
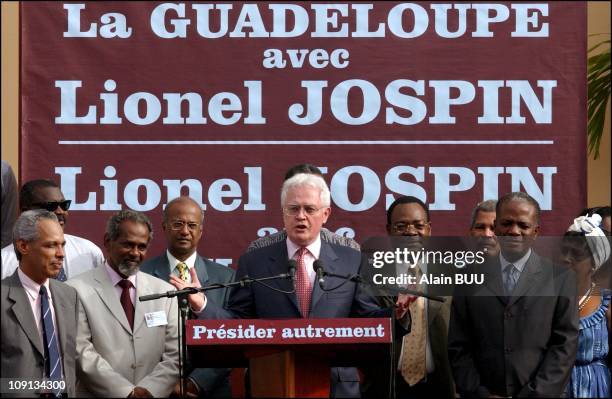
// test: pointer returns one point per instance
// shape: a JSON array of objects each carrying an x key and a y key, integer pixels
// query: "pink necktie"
[{"x": 303, "y": 287}]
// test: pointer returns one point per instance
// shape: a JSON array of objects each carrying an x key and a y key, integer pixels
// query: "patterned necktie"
[
  {"x": 61, "y": 276},
  {"x": 183, "y": 271},
  {"x": 303, "y": 286},
  {"x": 53, "y": 364},
  {"x": 511, "y": 276},
  {"x": 126, "y": 300},
  {"x": 413, "y": 366}
]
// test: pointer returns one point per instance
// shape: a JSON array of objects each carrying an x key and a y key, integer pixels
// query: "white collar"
[
  {"x": 115, "y": 277},
  {"x": 314, "y": 248},
  {"x": 519, "y": 264},
  {"x": 31, "y": 287},
  {"x": 190, "y": 262}
]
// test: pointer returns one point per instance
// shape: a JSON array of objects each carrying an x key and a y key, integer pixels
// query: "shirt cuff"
[{"x": 203, "y": 306}]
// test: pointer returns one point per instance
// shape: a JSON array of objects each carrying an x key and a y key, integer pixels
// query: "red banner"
[{"x": 128, "y": 104}]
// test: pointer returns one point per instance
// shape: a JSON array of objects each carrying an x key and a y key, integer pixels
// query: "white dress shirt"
[
  {"x": 519, "y": 264},
  {"x": 314, "y": 250}
]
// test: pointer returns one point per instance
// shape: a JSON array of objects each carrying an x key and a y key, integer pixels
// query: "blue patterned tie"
[
  {"x": 61, "y": 276},
  {"x": 511, "y": 277},
  {"x": 53, "y": 364}
]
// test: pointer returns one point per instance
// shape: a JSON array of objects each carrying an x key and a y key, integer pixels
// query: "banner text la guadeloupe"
[{"x": 129, "y": 104}]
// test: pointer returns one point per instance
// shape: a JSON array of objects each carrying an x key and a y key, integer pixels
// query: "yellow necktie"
[
  {"x": 413, "y": 365},
  {"x": 183, "y": 271}
]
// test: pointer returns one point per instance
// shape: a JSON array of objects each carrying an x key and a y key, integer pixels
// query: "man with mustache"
[
  {"x": 81, "y": 254},
  {"x": 516, "y": 334},
  {"x": 126, "y": 348}
]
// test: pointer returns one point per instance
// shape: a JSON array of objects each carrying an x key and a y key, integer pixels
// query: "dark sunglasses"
[{"x": 51, "y": 206}]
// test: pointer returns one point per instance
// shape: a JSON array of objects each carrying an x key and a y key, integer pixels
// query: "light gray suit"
[
  {"x": 22, "y": 348},
  {"x": 111, "y": 358}
]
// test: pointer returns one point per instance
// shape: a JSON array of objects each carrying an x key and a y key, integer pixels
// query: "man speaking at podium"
[{"x": 305, "y": 201}]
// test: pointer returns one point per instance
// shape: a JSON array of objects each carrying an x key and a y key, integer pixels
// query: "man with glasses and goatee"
[{"x": 81, "y": 254}]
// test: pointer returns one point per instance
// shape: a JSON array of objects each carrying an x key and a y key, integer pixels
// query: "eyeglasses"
[
  {"x": 51, "y": 206},
  {"x": 294, "y": 210},
  {"x": 401, "y": 227},
  {"x": 179, "y": 224}
]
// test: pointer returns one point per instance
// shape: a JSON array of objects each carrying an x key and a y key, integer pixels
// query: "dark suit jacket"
[
  {"x": 22, "y": 348},
  {"x": 258, "y": 301},
  {"x": 523, "y": 345},
  {"x": 214, "y": 381}
]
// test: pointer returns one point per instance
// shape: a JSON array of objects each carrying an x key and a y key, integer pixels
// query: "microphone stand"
[{"x": 183, "y": 306}]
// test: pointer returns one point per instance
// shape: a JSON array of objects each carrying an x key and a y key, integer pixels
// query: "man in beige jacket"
[{"x": 126, "y": 348}]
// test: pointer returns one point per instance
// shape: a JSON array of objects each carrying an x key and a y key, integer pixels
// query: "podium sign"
[{"x": 289, "y": 357}]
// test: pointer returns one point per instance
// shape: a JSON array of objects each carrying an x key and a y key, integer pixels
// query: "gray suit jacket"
[
  {"x": 22, "y": 348},
  {"x": 519, "y": 345},
  {"x": 112, "y": 358},
  {"x": 213, "y": 381}
]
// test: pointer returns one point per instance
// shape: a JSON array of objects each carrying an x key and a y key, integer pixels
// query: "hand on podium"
[{"x": 197, "y": 302}]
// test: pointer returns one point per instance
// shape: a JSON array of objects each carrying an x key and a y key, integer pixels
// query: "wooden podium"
[{"x": 292, "y": 357}]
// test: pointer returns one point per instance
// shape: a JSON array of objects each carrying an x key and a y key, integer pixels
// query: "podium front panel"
[{"x": 341, "y": 342}]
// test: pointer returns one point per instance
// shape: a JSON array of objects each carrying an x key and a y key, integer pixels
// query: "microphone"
[
  {"x": 318, "y": 268},
  {"x": 291, "y": 265}
]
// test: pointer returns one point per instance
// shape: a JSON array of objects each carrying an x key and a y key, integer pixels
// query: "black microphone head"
[
  {"x": 291, "y": 265},
  {"x": 318, "y": 265}
]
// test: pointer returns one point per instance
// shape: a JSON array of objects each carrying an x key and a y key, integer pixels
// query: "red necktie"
[
  {"x": 126, "y": 300},
  {"x": 303, "y": 287}
]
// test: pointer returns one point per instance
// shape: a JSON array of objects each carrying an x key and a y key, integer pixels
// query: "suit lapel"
[
  {"x": 277, "y": 264},
  {"x": 433, "y": 308},
  {"x": 201, "y": 270},
  {"x": 493, "y": 279},
  {"x": 530, "y": 276},
  {"x": 328, "y": 258},
  {"x": 23, "y": 312},
  {"x": 140, "y": 308},
  {"x": 162, "y": 267},
  {"x": 108, "y": 295}
]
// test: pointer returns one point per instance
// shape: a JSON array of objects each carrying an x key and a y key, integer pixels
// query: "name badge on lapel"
[{"x": 155, "y": 319}]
